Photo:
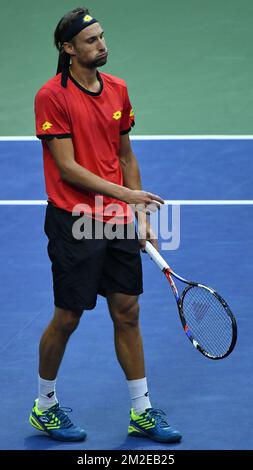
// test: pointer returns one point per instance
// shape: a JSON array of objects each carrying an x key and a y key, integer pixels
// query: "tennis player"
[{"x": 83, "y": 118}]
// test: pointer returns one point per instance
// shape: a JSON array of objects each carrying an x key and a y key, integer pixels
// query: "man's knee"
[
  {"x": 127, "y": 315},
  {"x": 65, "y": 320}
]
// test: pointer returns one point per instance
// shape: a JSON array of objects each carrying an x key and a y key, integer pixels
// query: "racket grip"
[{"x": 155, "y": 256}]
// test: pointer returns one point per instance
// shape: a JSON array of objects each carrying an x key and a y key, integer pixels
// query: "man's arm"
[
  {"x": 132, "y": 180},
  {"x": 62, "y": 151},
  {"x": 129, "y": 164}
]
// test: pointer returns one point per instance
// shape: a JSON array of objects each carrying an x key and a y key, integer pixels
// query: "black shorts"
[{"x": 83, "y": 268}]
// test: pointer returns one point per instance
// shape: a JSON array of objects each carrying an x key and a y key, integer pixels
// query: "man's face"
[{"x": 88, "y": 47}]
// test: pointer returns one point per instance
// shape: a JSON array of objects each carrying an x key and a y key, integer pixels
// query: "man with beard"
[{"x": 83, "y": 118}]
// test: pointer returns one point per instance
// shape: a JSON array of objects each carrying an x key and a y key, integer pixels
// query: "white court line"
[
  {"x": 17, "y": 138},
  {"x": 25, "y": 202},
  {"x": 191, "y": 137},
  {"x": 210, "y": 202},
  {"x": 189, "y": 202},
  {"x": 146, "y": 137}
]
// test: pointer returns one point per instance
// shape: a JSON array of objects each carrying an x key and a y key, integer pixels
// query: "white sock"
[
  {"x": 47, "y": 394},
  {"x": 138, "y": 390}
]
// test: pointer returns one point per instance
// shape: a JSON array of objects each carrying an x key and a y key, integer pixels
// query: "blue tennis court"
[{"x": 208, "y": 401}]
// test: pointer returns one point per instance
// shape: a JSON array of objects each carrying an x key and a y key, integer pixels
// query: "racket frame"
[{"x": 168, "y": 272}]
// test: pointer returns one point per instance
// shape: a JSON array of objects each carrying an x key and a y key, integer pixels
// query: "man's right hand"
[{"x": 143, "y": 199}]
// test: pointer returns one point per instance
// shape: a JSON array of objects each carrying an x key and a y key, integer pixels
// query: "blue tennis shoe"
[
  {"x": 56, "y": 423},
  {"x": 152, "y": 424}
]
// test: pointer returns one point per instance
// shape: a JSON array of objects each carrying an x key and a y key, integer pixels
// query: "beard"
[
  {"x": 99, "y": 62},
  {"x": 93, "y": 64}
]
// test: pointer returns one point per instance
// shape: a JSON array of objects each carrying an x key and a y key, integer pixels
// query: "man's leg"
[
  {"x": 124, "y": 310},
  {"x": 46, "y": 414},
  {"x": 144, "y": 420},
  {"x": 52, "y": 347},
  {"x": 54, "y": 340}
]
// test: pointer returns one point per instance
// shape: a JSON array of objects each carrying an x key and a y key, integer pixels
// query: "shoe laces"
[
  {"x": 60, "y": 413},
  {"x": 159, "y": 416}
]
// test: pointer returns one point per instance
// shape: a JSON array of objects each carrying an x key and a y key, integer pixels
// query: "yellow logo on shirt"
[
  {"x": 117, "y": 115},
  {"x": 132, "y": 113},
  {"x": 47, "y": 125},
  {"x": 87, "y": 18}
]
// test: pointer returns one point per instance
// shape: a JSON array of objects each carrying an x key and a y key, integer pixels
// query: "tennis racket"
[{"x": 206, "y": 318}]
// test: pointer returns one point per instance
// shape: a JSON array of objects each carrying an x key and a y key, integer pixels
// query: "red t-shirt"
[{"x": 94, "y": 121}]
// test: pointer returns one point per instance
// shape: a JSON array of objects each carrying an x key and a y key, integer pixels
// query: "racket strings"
[{"x": 207, "y": 320}]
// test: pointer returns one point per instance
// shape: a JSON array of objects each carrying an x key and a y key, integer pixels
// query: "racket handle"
[{"x": 155, "y": 256}]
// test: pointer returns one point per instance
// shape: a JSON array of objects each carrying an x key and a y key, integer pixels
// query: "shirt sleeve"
[
  {"x": 127, "y": 120},
  {"x": 51, "y": 117}
]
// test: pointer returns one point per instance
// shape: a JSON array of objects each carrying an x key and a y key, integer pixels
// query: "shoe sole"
[{"x": 134, "y": 432}]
